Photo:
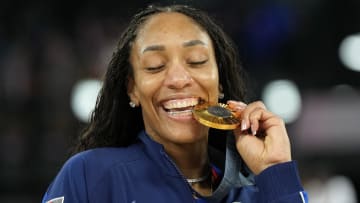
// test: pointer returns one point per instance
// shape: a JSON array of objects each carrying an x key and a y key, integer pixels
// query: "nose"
[{"x": 177, "y": 77}]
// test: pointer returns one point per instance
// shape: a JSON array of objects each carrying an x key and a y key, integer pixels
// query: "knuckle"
[
  {"x": 278, "y": 120},
  {"x": 259, "y": 104}
]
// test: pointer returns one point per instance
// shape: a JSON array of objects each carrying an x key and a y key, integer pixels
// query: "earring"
[
  {"x": 221, "y": 95},
  {"x": 132, "y": 104}
]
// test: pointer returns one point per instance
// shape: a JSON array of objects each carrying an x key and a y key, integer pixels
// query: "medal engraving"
[
  {"x": 219, "y": 111},
  {"x": 216, "y": 116}
]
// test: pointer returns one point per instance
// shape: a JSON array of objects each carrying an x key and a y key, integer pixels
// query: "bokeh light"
[
  {"x": 83, "y": 98},
  {"x": 333, "y": 189},
  {"x": 349, "y": 52},
  {"x": 283, "y": 98}
]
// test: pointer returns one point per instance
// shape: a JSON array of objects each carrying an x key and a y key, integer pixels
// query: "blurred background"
[{"x": 302, "y": 57}]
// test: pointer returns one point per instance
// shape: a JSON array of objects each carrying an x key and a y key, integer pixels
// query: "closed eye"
[
  {"x": 154, "y": 69},
  {"x": 196, "y": 63}
]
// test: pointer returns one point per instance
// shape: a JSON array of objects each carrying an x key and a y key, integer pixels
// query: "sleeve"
[
  {"x": 281, "y": 184},
  {"x": 69, "y": 185}
]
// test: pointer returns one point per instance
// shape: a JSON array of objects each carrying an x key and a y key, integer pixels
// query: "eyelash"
[
  {"x": 158, "y": 68},
  {"x": 196, "y": 63},
  {"x": 154, "y": 69}
]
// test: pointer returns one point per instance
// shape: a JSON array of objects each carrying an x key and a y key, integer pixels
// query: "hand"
[{"x": 261, "y": 139}]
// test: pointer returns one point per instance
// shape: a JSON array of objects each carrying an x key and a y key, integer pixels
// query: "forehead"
[{"x": 169, "y": 26}]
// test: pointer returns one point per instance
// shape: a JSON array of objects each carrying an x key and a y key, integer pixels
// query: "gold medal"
[{"x": 217, "y": 116}]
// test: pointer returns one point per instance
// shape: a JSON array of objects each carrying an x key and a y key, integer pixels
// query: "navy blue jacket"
[{"x": 143, "y": 172}]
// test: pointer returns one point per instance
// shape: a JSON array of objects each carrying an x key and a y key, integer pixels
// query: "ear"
[{"x": 132, "y": 90}]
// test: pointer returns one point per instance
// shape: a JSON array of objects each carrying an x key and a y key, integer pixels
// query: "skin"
[
  {"x": 265, "y": 150},
  {"x": 173, "y": 59}
]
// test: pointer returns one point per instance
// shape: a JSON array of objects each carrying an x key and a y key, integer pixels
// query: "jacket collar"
[
  {"x": 236, "y": 173},
  {"x": 156, "y": 152}
]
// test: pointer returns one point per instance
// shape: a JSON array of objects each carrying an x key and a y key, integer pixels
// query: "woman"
[{"x": 152, "y": 149}]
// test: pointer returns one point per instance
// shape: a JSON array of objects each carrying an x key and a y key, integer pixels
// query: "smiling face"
[{"x": 174, "y": 66}]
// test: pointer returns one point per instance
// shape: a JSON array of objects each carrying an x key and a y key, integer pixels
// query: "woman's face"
[{"x": 174, "y": 66}]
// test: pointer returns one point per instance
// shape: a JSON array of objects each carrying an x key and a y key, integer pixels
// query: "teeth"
[
  {"x": 181, "y": 103},
  {"x": 180, "y": 113}
]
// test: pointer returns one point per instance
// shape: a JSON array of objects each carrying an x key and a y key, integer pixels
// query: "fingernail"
[
  {"x": 243, "y": 125},
  {"x": 239, "y": 103},
  {"x": 253, "y": 131}
]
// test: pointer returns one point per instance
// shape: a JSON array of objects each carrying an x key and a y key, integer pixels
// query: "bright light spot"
[
  {"x": 83, "y": 98},
  {"x": 349, "y": 52},
  {"x": 331, "y": 190},
  {"x": 282, "y": 97},
  {"x": 340, "y": 189}
]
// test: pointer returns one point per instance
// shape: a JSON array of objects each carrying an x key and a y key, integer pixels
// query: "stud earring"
[
  {"x": 221, "y": 95},
  {"x": 132, "y": 104}
]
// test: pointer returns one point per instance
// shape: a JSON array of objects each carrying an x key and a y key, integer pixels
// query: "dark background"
[{"x": 47, "y": 46}]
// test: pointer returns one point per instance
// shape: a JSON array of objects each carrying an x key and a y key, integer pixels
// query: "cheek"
[
  {"x": 209, "y": 81},
  {"x": 146, "y": 87}
]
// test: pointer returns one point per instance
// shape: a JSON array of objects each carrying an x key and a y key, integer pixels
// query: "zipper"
[{"x": 192, "y": 192}]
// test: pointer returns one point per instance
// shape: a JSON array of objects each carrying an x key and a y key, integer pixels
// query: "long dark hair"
[{"x": 113, "y": 122}]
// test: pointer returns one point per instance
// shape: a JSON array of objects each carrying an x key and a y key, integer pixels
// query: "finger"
[
  {"x": 236, "y": 104},
  {"x": 236, "y": 107},
  {"x": 254, "y": 118},
  {"x": 257, "y": 104},
  {"x": 245, "y": 114},
  {"x": 271, "y": 120},
  {"x": 261, "y": 119}
]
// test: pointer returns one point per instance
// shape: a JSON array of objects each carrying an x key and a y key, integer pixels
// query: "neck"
[
  {"x": 191, "y": 159},
  {"x": 193, "y": 162}
]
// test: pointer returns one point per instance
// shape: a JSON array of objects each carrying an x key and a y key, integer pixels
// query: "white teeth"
[
  {"x": 180, "y": 103},
  {"x": 180, "y": 113}
]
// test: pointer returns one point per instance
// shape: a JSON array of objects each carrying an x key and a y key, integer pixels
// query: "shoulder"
[
  {"x": 102, "y": 158},
  {"x": 84, "y": 170},
  {"x": 110, "y": 154},
  {"x": 91, "y": 165}
]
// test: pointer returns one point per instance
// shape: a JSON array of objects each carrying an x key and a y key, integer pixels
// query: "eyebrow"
[
  {"x": 154, "y": 48},
  {"x": 193, "y": 43},
  {"x": 162, "y": 48}
]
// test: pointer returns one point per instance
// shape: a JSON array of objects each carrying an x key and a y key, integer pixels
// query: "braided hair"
[{"x": 113, "y": 122}]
